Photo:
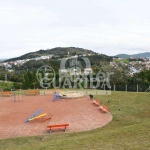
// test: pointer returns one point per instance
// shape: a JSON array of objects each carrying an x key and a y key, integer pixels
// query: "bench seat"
[
  {"x": 96, "y": 102},
  {"x": 32, "y": 92},
  {"x": 58, "y": 126},
  {"x": 6, "y": 93},
  {"x": 103, "y": 108}
]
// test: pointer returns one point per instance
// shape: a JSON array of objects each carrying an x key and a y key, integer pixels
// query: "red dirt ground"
[{"x": 81, "y": 115}]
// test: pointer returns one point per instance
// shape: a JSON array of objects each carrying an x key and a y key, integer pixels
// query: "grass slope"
[{"x": 129, "y": 130}]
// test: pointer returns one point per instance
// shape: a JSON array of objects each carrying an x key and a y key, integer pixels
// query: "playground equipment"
[
  {"x": 67, "y": 95},
  {"x": 38, "y": 116},
  {"x": 56, "y": 96},
  {"x": 17, "y": 95},
  {"x": 34, "y": 116},
  {"x": 62, "y": 93}
]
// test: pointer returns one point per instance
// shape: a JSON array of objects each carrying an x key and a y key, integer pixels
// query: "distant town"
[{"x": 134, "y": 65}]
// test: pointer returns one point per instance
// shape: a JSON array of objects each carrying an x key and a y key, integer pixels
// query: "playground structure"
[
  {"x": 56, "y": 96},
  {"x": 17, "y": 95},
  {"x": 34, "y": 116},
  {"x": 67, "y": 95}
]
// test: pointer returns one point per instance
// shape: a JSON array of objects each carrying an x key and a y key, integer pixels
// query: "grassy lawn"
[{"x": 129, "y": 130}]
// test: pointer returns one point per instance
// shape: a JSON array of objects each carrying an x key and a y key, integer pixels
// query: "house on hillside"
[
  {"x": 88, "y": 71},
  {"x": 75, "y": 70}
]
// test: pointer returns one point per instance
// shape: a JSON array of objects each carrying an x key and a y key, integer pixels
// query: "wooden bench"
[
  {"x": 58, "y": 126},
  {"x": 96, "y": 102},
  {"x": 6, "y": 93},
  {"x": 32, "y": 92},
  {"x": 103, "y": 108}
]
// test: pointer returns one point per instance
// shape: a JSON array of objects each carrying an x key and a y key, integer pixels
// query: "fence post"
[
  {"x": 114, "y": 87},
  {"x": 137, "y": 88},
  {"x": 104, "y": 87},
  {"x": 5, "y": 78},
  {"x": 149, "y": 88},
  {"x": 126, "y": 87}
]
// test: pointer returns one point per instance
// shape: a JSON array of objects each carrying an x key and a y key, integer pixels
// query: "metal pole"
[
  {"x": 21, "y": 94},
  {"x": 137, "y": 88},
  {"x": 14, "y": 92}
]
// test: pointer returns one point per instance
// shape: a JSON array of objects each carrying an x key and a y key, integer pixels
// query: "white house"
[{"x": 88, "y": 71}]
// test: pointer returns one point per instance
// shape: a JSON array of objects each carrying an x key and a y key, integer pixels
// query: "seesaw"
[
  {"x": 61, "y": 92},
  {"x": 37, "y": 117},
  {"x": 33, "y": 115}
]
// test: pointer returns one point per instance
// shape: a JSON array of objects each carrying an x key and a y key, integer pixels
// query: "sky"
[{"x": 109, "y": 27}]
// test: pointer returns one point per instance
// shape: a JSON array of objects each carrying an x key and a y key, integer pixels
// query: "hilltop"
[
  {"x": 58, "y": 51},
  {"x": 53, "y": 57},
  {"x": 139, "y": 55}
]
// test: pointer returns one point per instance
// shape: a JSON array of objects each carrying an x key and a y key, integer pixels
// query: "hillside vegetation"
[{"x": 59, "y": 51}]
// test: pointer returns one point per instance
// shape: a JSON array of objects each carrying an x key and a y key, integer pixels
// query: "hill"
[
  {"x": 140, "y": 55},
  {"x": 1, "y": 60},
  {"x": 57, "y": 54},
  {"x": 58, "y": 51}
]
